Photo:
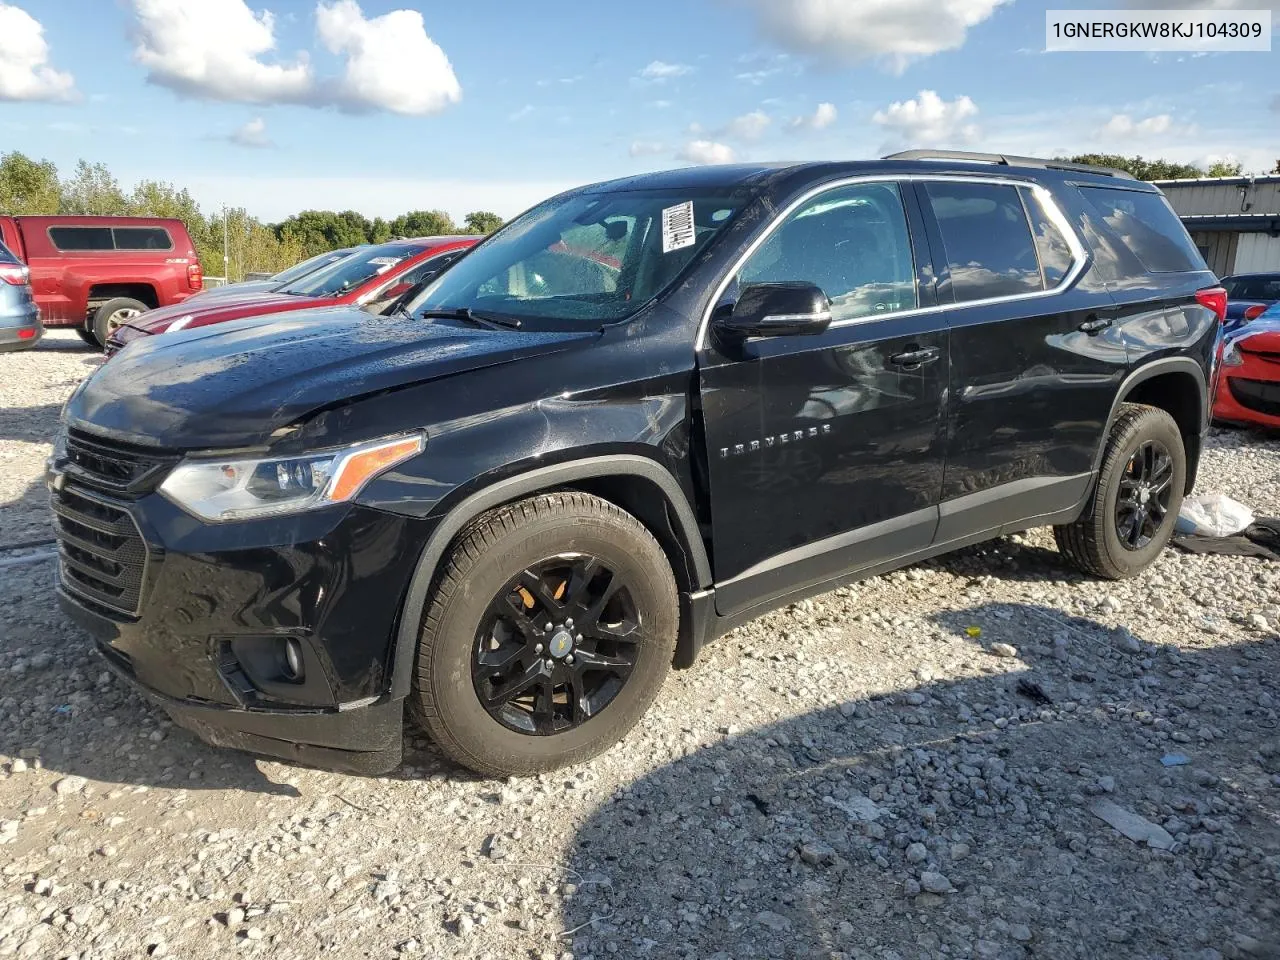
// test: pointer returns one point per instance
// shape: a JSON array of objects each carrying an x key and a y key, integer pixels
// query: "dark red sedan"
[{"x": 371, "y": 278}]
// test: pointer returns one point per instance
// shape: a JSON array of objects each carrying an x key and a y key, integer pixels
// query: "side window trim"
[{"x": 1079, "y": 254}]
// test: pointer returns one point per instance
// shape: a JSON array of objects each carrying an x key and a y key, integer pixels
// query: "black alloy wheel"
[
  {"x": 556, "y": 645},
  {"x": 1145, "y": 489}
]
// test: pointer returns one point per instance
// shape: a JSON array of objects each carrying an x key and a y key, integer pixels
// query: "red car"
[
  {"x": 1249, "y": 382},
  {"x": 372, "y": 278},
  {"x": 94, "y": 273}
]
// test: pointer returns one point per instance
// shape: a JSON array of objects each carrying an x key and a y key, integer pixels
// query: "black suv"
[{"x": 642, "y": 413}]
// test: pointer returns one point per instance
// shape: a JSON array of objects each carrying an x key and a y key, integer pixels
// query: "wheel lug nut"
[
  {"x": 578, "y": 638},
  {"x": 548, "y": 663},
  {"x": 569, "y": 622},
  {"x": 538, "y": 648},
  {"x": 549, "y": 627},
  {"x": 569, "y": 658}
]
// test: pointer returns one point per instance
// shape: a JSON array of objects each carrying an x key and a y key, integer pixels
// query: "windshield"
[
  {"x": 357, "y": 269},
  {"x": 311, "y": 265},
  {"x": 584, "y": 260},
  {"x": 1254, "y": 288}
]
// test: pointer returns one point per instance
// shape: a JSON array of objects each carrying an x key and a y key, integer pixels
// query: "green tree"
[
  {"x": 1140, "y": 167},
  {"x": 320, "y": 230},
  {"x": 482, "y": 221},
  {"x": 1276, "y": 168},
  {"x": 423, "y": 223},
  {"x": 1223, "y": 169},
  {"x": 379, "y": 231},
  {"x": 28, "y": 186},
  {"x": 93, "y": 190}
]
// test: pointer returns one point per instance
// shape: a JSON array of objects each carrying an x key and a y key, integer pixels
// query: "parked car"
[
  {"x": 20, "y": 325},
  {"x": 639, "y": 415},
  {"x": 283, "y": 278},
  {"x": 1249, "y": 383},
  {"x": 1249, "y": 294},
  {"x": 371, "y": 279},
  {"x": 94, "y": 273}
]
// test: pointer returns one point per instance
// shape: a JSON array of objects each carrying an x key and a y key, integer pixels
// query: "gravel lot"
[{"x": 856, "y": 776}]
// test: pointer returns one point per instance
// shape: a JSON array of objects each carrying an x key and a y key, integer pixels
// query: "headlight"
[
  {"x": 1231, "y": 355},
  {"x": 235, "y": 489}
]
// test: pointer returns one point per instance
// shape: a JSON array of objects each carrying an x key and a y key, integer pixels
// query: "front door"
[{"x": 826, "y": 451}]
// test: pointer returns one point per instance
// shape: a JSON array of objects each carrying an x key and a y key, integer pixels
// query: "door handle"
[
  {"x": 1095, "y": 324},
  {"x": 915, "y": 358}
]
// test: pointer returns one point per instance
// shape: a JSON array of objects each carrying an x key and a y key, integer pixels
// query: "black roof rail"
[{"x": 1009, "y": 161}]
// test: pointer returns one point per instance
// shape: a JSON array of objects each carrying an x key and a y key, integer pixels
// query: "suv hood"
[{"x": 234, "y": 384}]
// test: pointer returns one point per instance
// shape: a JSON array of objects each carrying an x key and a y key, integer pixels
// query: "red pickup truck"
[{"x": 95, "y": 273}]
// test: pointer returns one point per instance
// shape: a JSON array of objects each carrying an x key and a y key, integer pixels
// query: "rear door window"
[
  {"x": 1148, "y": 227},
  {"x": 989, "y": 247}
]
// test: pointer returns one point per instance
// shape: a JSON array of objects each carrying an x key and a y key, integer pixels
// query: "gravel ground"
[{"x": 904, "y": 768}]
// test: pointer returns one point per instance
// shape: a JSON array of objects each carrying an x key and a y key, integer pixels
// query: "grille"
[
  {"x": 103, "y": 556},
  {"x": 1258, "y": 395},
  {"x": 115, "y": 466},
  {"x": 102, "y": 553}
]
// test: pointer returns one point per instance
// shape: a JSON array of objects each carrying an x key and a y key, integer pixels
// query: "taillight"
[
  {"x": 1254, "y": 312},
  {"x": 14, "y": 273},
  {"x": 1215, "y": 298},
  {"x": 195, "y": 276}
]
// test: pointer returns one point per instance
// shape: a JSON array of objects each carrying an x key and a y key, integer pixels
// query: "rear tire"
[
  {"x": 85, "y": 334},
  {"x": 1131, "y": 518},
  {"x": 459, "y": 693},
  {"x": 112, "y": 314}
]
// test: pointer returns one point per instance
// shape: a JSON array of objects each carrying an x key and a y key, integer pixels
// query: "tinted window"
[
  {"x": 142, "y": 238},
  {"x": 82, "y": 238},
  {"x": 6, "y": 256},
  {"x": 1148, "y": 227},
  {"x": 1051, "y": 245},
  {"x": 989, "y": 248},
  {"x": 853, "y": 243},
  {"x": 1253, "y": 288}
]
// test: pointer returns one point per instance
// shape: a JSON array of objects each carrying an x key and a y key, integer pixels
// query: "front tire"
[
  {"x": 547, "y": 636},
  {"x": 113, "y": 314},
  {"x": 1135, "y": 504}
]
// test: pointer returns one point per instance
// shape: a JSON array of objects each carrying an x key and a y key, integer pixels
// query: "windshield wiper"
[{"x": 480, "y": 319}]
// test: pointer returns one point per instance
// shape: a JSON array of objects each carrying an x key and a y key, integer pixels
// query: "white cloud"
[
  {"x": 213, "y": 49},
  {"x": 848, "y": 31},
  {"x": 25, "y": 72},
  {"x": 706, "y": 151},
  {"x": 820, "y": 119},
  {"x": 646, "y": 148},
  {"x": 223, "y": 50},
  {"x": 929, "y": 121},
  {"x": 660, "y": 72},
  {"x": 391, "y": 62},
  {"x": 252, "y": 134},
  {"x": 522, "y": 113},
  {"x": 1123, "y": 125},
  {"x": 749, "y": 126},
  {"x": 1204, "y": 4}
]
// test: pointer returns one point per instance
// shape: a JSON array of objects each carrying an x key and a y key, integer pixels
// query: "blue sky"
[{"x": 389, "y": 105}]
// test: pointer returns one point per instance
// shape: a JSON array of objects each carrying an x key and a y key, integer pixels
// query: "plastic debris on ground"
[
  {"x": 1213, "y": 515},
  {"x": 1136, "y": 828},
  {"x": 1175, "y": 759}
]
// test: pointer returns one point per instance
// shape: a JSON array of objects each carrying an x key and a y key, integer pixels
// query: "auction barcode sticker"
[
  {"x": 1158, "y": 31},
  {"x": 677, "y": 227}
]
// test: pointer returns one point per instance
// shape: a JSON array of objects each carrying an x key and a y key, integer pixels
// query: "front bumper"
[
  {"x": 191, "y": 613},
  {"x": 1254, "y": 397}
]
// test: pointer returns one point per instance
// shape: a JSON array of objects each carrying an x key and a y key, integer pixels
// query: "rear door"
[
  {"x": 826, "y": 451},
  {"x": 1035, "y": 358}
]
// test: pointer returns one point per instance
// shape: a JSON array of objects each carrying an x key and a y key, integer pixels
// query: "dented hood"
[{"x": 233, "y": 384}]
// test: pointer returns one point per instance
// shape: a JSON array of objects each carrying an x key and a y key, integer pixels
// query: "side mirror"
[{"x": 776, "y": 310}]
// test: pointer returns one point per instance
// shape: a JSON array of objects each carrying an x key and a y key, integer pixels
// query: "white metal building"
[{"x": 1235, "y": 221}]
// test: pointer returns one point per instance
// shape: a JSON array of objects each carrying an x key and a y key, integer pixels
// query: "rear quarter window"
[
  {"x": 71, "y": 239},
  {"x": 142, "y": 238},
  {"x": 1148, "y": 228}
]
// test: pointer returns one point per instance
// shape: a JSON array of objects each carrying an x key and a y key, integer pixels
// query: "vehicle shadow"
[{"x": 953, "y": 819}]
